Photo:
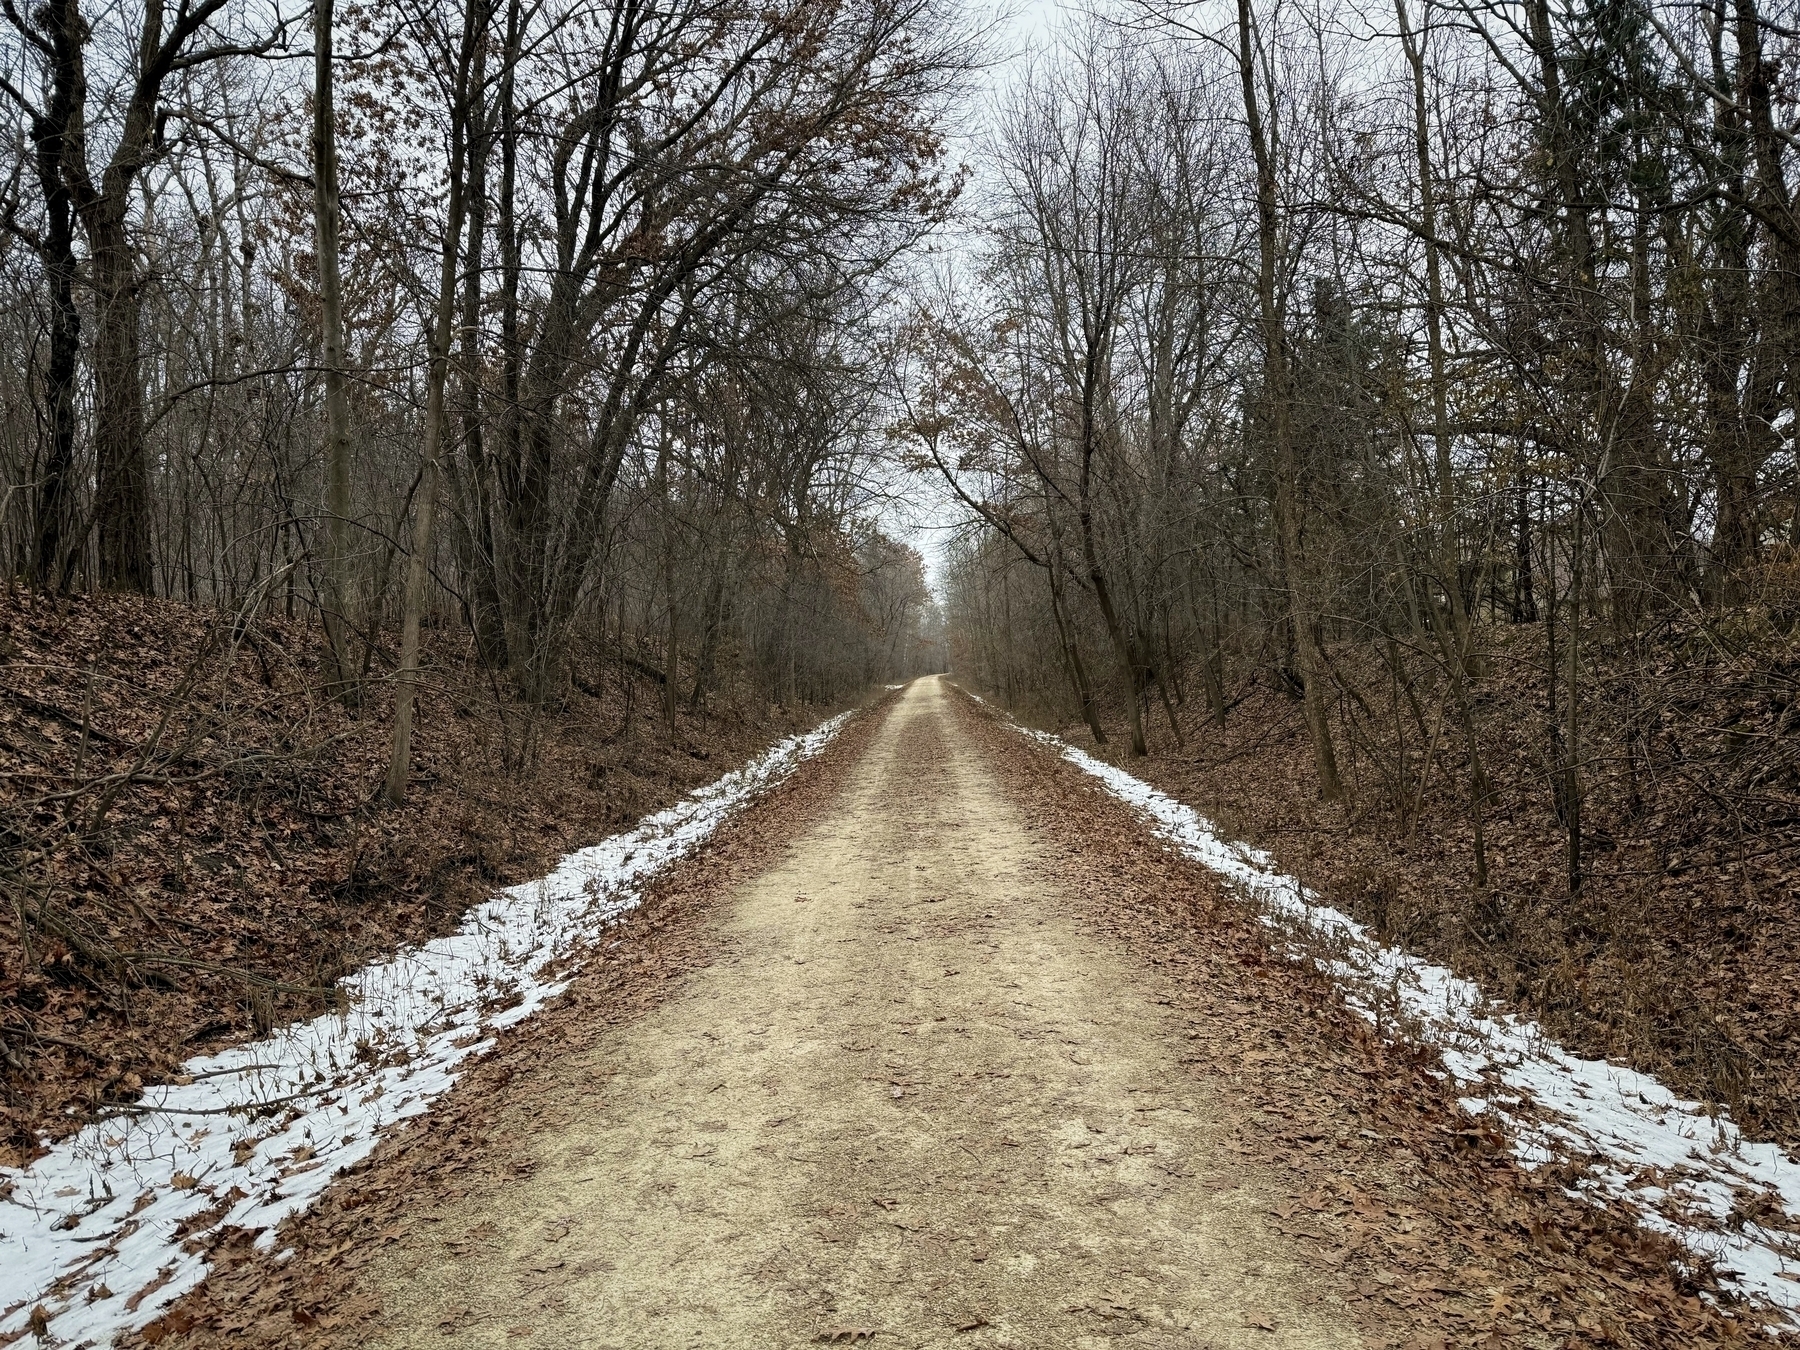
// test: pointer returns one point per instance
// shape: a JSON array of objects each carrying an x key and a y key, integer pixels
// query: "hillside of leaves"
[
  {"x": 1680, "y": 953},
  {"x": 193, "y": 848}
]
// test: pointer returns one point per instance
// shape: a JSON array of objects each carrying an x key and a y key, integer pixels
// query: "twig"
[
  {"x": 48, "y": 1039},
  {"x": 249, "y": 977},
  {"x": 236, "y": 1109}
]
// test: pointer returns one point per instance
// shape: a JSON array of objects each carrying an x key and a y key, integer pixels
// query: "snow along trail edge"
[
  {"x": 111, "y": 1225},
  {"x": 1679, "y": 1168}
]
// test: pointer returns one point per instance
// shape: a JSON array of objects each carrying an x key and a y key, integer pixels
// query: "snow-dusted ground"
[
  {"x": 1681, "y": 1169},
  {"x": 108, "y": 1228}
]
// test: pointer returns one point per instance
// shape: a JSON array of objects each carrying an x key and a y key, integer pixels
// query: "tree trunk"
[
  {"x": 1277, "y": 388},
  {"x": 1096, "y": 576},
  {"x": 1524, "y": 597},
  {"x": 1572, "y": 727},
  {"x": 122, "y": 470},
  {"x": 418, "y": 569},
  {"x": 342, "y": 673},
  {"x": 1775, "y": 205},
  {"x": 1078, "y": 677},
  {"x": 709, "y": 641},
  {"x": 1456, "y": 647},
  {"x": 57, "y": 540},
  {"x": 672, "y": 645}
]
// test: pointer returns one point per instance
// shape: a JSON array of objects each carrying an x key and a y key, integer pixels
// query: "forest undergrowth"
[
  {"x": 193, "y": 845},
  {"x": 1680, "y": 952}
]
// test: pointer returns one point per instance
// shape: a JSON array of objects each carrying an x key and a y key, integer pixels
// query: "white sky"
[{"x": 1019, "y": 27}]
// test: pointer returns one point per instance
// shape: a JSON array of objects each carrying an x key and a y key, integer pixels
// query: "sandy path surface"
[{"x": 910, "y": 1096}]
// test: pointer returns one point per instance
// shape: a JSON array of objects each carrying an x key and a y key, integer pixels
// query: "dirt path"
[
  {"x": 910, "y": 1095},
  {"x": 936, "y": 1037}
]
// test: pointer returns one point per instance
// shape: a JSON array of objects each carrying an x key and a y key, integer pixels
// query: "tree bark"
[
  {"x": 58, "y": 540},
  {"x": 418, "y": 569},
  {"x": 331, "y": 325},
  {"x": 122, "y": 469},
  {"x": 1277, "y": 394}
]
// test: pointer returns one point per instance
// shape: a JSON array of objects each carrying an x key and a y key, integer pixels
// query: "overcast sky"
[{"x": 1019, "y": 27}]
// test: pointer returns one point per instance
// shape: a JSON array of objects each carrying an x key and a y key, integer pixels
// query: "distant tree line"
[
  {"x": 549, "y": 318},
  {"x": 1338, "y": 350}
]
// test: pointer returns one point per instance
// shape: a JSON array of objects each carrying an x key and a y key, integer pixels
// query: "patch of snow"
[
  {"x": 1683, "y": 1169},
  {"x": 107, "y": 1229}
]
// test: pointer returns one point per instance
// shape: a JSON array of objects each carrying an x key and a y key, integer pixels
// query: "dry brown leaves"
[
  {"x": 240, "y": 849},
  {"x": 1422, "y": 1216},
  {"x": 313, "y": 1298},
  {"x": 1682, "y": 955}
]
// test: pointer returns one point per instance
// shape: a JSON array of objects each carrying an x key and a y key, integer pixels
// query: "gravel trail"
[{"x": 910, "y": 1096}]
